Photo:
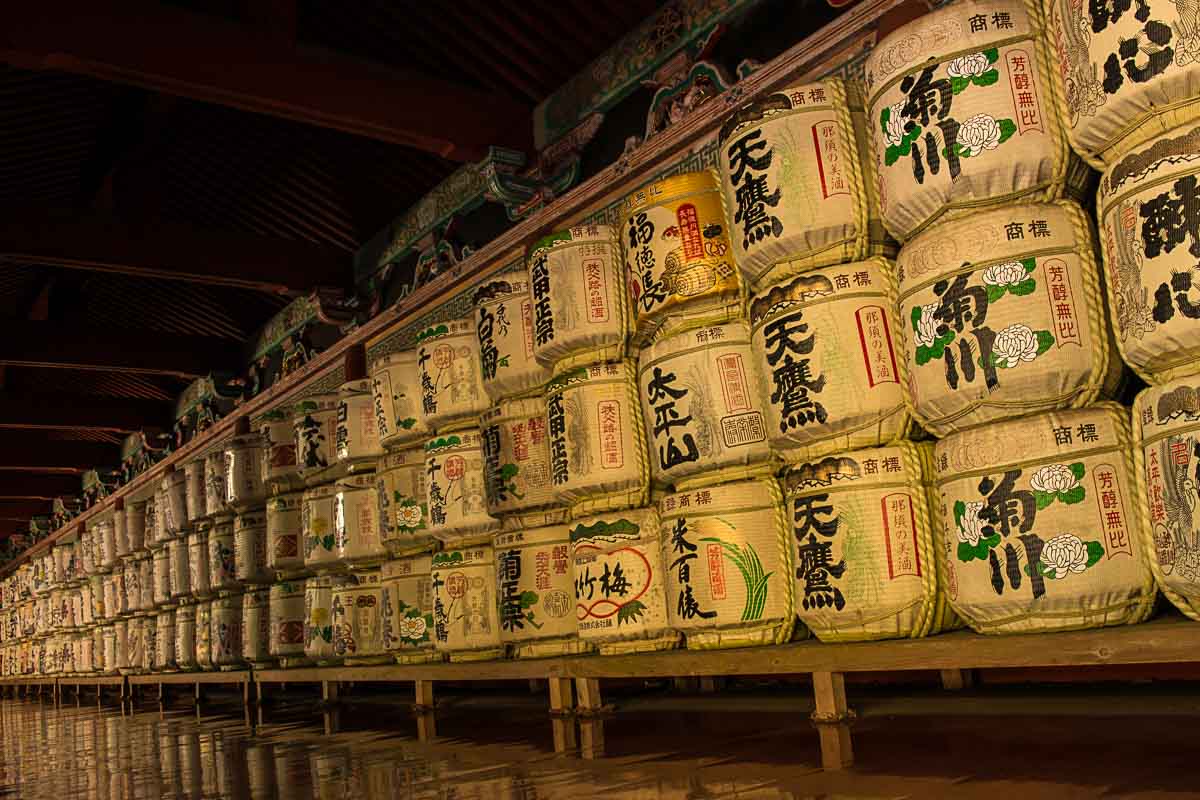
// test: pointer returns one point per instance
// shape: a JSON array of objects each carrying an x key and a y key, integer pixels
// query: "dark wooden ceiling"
[{"x": 172, "y": 173}]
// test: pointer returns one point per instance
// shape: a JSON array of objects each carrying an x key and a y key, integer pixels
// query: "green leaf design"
[
  {"x": 502, "y": 362},
  {"x": 1007, "y": 129},
  {"x": 430, "y": 333},
  {"x": 630, "y": 612},
  {"x": 1074, "y": 496},
  {"x": 884, "y": 116},
  {"x": 528, "y": 599},
  {"x": 509, "y": 471},
  {"x": 986, "y": 79},
  {"x": 1095, "y": 552},
  {"x": 407, "y": 422},
  {"x": 933, "y": 352},
  {"x": 992, "y": 54},
  {"x": 980, "y": 551},
  {"x": 1044, "y": 339},
  {"x": 895, "y": 151},
  {"x": 1043, "y": 499},
  {"x": 327, "y": 541},
  {"x": 958, "y": 84},
  {"x": 1047, "y": 573},
  {"x": 1078, "y": 470},
  {"x": 621, "y": 527},
  {"x": 960, "y": 508},
  {"x": 1030, "y": 264},
  {"x": 749, "y": 565},
  {"x": 446, "y": 559},
  {"x": 1023, "y": 288},
  {"x": 995, "y": 292},
  {"x": 442, "y": 441}
]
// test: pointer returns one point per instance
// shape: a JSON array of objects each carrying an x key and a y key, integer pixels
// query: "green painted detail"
[
  {"x": 431, "y": 333},
  {"x": 631, "y": 612},
  {"x": 447, "y": 558},
  {"x": 622, "y": 528},
  {"x": 749, "y": 565},
  {"x": 547, "y": 242},
  {"x": 442, "y": 441}
]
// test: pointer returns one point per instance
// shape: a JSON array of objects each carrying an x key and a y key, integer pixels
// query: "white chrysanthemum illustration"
[
  {"x": 895, "y": 124},
  {"x": 1054, "y": 479},
  {"x": 927, "y": 326},
  {"x": 412, "y": 628},
  {"x": 968, "y": 66},
  {"x": 980, "y": 132},
  {"x": 1015, "y": 344},
  {"x": 410, "y": 516},
  {"x": 1064, "y": 554},
  {"x": 1006, "y": 274},
  {"x": 970, "y": 526}
]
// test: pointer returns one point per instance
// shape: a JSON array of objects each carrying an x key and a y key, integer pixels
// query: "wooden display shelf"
[
  {"x": 184, "y": 678},
  {"x": 93, "y": 680}
]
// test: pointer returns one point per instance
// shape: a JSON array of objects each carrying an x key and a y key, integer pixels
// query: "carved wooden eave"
[{"x": 806, "y": 60}]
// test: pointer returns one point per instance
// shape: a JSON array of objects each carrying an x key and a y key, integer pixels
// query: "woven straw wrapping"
[
  {"x": 625, "y": 614},
  {"x": 396, "y": 393},
  {"x": 408, "y": 608},
  {"x": 357, "y": 521},
  {"x": 504, "y": 326},
  {"x": 448, "y": 368},
  {"x": 286, "y": 612},
  {"x": 597, "y": 442},
  {"x": 455, "y": 494},
  {"x": 1013, "y": 287},
  {"x": 826, "y": 352},
  {"x": 1051, "y": 493},
  {"x": 403, "y": 501},
  {"x": 1166, "y": 425},
  {"x": 516, "y": 456},
  {"x": 1128, "y": 73},
  {"x": 581, "y": 312},
  {"x": 316, "y": 525},
  {"x": 703, "y": 411},
  {"x": 1145, "y": 207},
  {"x": 677, "y": 256},
  {"x": 536, "y": 592},
  {"x": 976, "y": 74},
  {"x": 318, "y": 615},
  {"x": 729, "y": 565},
  {"x": 466, "y": 619},
  {"x": 802, "y": 198},
  {"x": 865, "y": 566},
  {"x": 358, "y": 618}
]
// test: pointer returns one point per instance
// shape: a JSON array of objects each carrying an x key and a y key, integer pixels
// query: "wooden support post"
[
  {"x": 832, "y": 720},
  {"x": 329, "y": 691},
  {"x": 562, "y": 720},
  {"x": 711, "y": 685},
  {"x": 955, "y": 680},
  {"x": 423, "y": 707},
  {"x": 591, "y": 727},
  {"x": 424, "y": 695}
]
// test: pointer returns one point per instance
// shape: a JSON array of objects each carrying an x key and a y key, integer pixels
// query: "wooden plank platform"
[
  {"x": 183, "y": 678},
  {"x": 93, "y": 680}
]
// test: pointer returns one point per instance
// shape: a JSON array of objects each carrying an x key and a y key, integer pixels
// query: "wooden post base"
[
  {"x": 562, "y": 714},
  {"x": 832, "y": 717}
]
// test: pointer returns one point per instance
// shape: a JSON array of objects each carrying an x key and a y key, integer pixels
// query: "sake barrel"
[
  {"x": 466, "y": 622},
  {"x": 120, "y": 539},
  {"x": 314, "y": 424},
  {"x": 536, "y": 592},
  {"x": 225, "y": 632},
  {"x": 222, "y": 566},
  {"x": 448, "y": 367},
  {"x": 969, "y": 360},
  {"x": 197, "y": 545},
  {"x": 1128, "y": 72},
  {"x": 84, "y": 663},
  {"x": 145, "y": 564},
  {"x": 279, "y": 468},
  {"x": 356, "y": 521},
  {"x": 105, "y": 536},
  {"x": 164, "y": 641},
  {"x": 174, "y": 488},
  {"x": 214, "y": 483},
  {"x": 1166, "y": 427},
  {"x": 135, "y": 525},
  {"x": 286, "y": 610},
  {"x": 318, "y": 617},
  {"x": 87, "y": 558},
  {"x": 98, "y": 664},
  {"x": 256, "y": 627},
  {"x": 505, "y": 330},
  {"x": 797, "y": 196},
  {"x": 1145, "y": 206},
  {"x": 581, "y": 312},
  {"x": 145, "y": 647},
  {"x": 110, "y": 658},
  {"x": 597, "y": 443},
  {"x": 516, "y": 456},
  {"x": 128, "y": 651},
  {"x": 115, "y": 600},
  {"x": 702, "y": 407},
  {"x": 181, "y": 574},
  {"x": 962, "y": 115},
  {"x": 204, "y": 634},
  {"x": 455, "y": 492},
  {"x": 162, "y": 576},
  {"x": 407, "y": 609},
  {"x": 356, "y": 435},
  {"x": 185, "y": 637},
  {"x": 194, "y": 490},
  {"x": 396, "y": 395},
  {"x": 244, "y": 487},
  {"x": 711, "y": 538},
  {"x": 403, "y": 503},
  {"x": 284, "y": 533},
  {"x": 316, "y": 525},
  {"x": 357, "y": 619},
  {"x": 863, "y": 536},
  {"x": 823, "y": 345},
  {"x": 1041, "y": 530},
  {"x": 133, "y": 589},
  {"x": 250, "y": 548},
  {"x": 680, "y": 268}
]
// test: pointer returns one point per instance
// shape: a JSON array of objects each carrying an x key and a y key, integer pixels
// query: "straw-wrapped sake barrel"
[
  {"x": 286, "y": 610},
  {"x": 279, "y": 468},
  {"x": 536, "y": 592},
  {"x": 256, "y": 627},
  {"x": 407, "y": 609},
  {"x": 356, "y": 615},
  {"x": 222, "y": 567},
  {"x": 314, "y": 425},
  {"x": 403, "y": 503},
  {"x": 356, "y": 522},
  {"x": 225, "y": 632},
  {"x": 135, "y": 525},
  {"x": 1128, "y": 71},
  {"x": 145, "y": 582},
  {"x": 797, "y": 193},
  {"x": 204, "y": 634},
  {"x": 357, "y": 432},
  {"x": 396, "y": 395},
  {"x": 729, "y": 565},
  {"x": 164, "y": 640},
  {"x": 284, "y": 533},
  {"x": 250, "y": 548},
  {"x": 185, "y": 637},
  {"x": 620, "y": 590},
  {"x": 214, "y": 490},
  {"x": 703, "y": 410},
  {"x": 824, "y": 349},
  {"x": 197, "y": 559},
  {"x": 505, "y": 329},
  {"x": 1041, "y": 530},
  {"x": 597, "y": 441},
  {"x": 318, "y": 617},
  {"x": 193, "y": 483},
  {"x": 1166, "y": 428},
  {"x": 680, "y": 267},
  {"x": 316, "y": 524},
  {"x": 862, "y": 530},
  {"x": 997, "y": 325},
  {"x": 181, "y": 575},
  {"x": 448, "y": 367},
  {"x": 455, "y": 491},
  {"x": 962, "y": 114},
  {"x": 516, "y": 456},
  {"x": 466, "y": 621},
  {"x": 1148, "y": 210},
  {"x": 162, "y": 579},
  {"x": 581, "y": 312},
  {"x": 244, "y": 487}
]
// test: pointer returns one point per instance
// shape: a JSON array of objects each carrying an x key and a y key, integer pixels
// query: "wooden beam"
[
  {"x": 198, "y": 56},
  {"x": 63, "y": 346},
  {"x": 56, "y": 455},
  {"x": 21, "y": 509},
  {"x": 81, "y": 412},
  {"x": 47, "y": 486},
  {"x": 175, "y": 252}
]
